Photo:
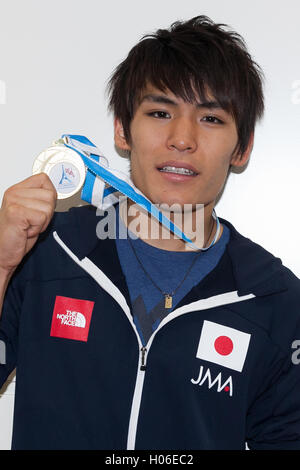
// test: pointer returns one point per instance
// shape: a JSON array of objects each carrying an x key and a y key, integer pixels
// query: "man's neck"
[{"x": 199, "y": 226}]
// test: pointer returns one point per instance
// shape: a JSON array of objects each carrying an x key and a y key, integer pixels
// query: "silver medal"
[{"x": 64, "y": 167}]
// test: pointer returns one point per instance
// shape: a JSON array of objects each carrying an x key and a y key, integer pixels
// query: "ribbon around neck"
[{"x": 103, "y": 185}]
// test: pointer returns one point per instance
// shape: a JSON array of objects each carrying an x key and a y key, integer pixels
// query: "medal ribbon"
[{"x": 95, "y": 191}]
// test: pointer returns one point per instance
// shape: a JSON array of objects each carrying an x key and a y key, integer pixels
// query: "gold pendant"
[{"x": 168, "y": 301}]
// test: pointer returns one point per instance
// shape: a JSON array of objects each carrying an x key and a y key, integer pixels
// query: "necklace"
[{"x": 168, "y": 296}]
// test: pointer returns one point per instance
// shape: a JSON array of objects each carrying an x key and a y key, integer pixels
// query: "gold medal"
[{"x": 64, "y": 167}]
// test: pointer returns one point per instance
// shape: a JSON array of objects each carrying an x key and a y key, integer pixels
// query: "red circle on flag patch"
[{"x": 223, "y": 345}]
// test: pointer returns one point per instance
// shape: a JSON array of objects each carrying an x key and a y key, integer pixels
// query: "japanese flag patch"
[{"x": 223, "y": 345}]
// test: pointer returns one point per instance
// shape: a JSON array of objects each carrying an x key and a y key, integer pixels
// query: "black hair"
[{"x": 186, "y": 59}]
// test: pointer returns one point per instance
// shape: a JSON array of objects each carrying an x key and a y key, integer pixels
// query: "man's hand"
[{"x": 27, "y": 208}]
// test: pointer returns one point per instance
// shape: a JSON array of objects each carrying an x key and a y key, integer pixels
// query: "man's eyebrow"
[
  {"x": 153, "y": 98},
  {"x": 156, "y": 98}
]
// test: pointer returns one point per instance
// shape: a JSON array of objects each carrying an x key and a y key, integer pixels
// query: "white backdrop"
[{"x": 56, "y": 57}]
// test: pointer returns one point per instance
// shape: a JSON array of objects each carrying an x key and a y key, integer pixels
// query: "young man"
[{"x": 139, "y": 343}]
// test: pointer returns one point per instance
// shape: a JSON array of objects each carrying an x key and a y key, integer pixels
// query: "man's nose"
[{"x": 182, "y": 135}]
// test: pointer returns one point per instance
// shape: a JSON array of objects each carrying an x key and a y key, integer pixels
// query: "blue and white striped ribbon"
[{"x": 103, "y": 185}]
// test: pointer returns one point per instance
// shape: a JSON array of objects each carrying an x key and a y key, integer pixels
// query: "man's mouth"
[
  {"x": 177, "y": 168},
  {"x": 178, "y": 171}
]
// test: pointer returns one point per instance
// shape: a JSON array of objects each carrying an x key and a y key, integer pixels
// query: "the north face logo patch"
[{"x": 71, "y": 318}]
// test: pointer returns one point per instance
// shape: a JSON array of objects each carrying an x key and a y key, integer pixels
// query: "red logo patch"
[{"x": 71, "y": 318}]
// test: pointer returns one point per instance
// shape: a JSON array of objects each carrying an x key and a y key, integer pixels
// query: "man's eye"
[
  {"x": 213, "y": 120},
  {"x": 159, "y": 114}
]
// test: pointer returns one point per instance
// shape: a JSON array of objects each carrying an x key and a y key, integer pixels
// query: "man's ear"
[
  {"x": 239, "y": 159},
  {"x": 119, "y": 136}
]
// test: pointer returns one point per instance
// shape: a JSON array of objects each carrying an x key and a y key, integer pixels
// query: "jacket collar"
[{"x": 254, "y": 269}]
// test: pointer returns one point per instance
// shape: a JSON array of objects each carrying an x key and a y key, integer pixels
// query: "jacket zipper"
[
  {"x": 143, "y": 359},
  {"x": 116, "y": 294}
]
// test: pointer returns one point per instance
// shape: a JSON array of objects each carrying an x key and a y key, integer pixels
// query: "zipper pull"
[{"x": 143, "y": 365}]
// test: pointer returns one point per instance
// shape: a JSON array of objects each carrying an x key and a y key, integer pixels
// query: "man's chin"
[
  {"x": 173, "y": 203},
  {"x": 179, "y": 206}
]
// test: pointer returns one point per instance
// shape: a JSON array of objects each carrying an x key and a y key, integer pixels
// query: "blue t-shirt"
[{"x": 167, "y": 269}]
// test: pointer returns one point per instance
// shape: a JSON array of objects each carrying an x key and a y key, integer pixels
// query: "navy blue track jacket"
[{"x": 216, "y": 374}]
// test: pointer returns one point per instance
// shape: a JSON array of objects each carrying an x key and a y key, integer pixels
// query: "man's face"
[{"x": 180, "y": 152}]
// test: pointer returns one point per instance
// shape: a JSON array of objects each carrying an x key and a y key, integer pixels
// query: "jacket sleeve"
[
  {"x": 273, "y": 420},
  {"x": 9, "y": 325},
  {"x": 12, "y": 307}
]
